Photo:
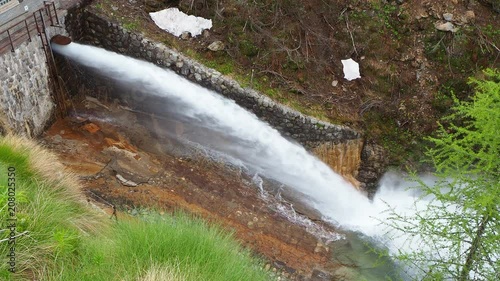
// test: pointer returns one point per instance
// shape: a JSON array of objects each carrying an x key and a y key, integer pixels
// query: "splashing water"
[
  {"x": 255, "y": 143},
  {"x": 262, "y": 147}
]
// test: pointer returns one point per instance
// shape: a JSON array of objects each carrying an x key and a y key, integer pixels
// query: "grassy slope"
[{"x": 68, "y": 241}]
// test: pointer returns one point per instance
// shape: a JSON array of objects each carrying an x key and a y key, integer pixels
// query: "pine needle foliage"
[{"x": 459, "y": 230}]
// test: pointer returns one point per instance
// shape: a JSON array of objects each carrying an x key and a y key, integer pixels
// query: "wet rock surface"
[
  {"x": 125, "y": 158},
  {"x": 373, "y": 165}
]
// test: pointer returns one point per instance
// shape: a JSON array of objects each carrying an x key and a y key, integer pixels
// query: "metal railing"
[{"x": 22, "y": 31}]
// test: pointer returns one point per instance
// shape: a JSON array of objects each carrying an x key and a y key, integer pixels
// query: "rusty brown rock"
[{"x": 91, "y": 128}]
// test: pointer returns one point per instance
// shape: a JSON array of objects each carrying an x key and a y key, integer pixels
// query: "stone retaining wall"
[
  {"x": 26, "y": 97},
  {"x": 308, "y": 131},
  {"x": 26, "y": 105},
  {"x": 25, "y": 101},
  {"x": 88, "y": 27}
]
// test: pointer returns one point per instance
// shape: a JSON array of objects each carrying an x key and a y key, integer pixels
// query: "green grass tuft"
[
  {"x": 65, "y": 240},
  {"x": 189, "y": 246}
]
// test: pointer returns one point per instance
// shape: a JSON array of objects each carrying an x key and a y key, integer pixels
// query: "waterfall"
[{"x": 255, "y": 143}]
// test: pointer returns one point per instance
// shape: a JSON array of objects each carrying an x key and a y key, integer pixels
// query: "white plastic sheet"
[
  {"x": 351, "y": 69},
  {"x": 176, "y": 22}
]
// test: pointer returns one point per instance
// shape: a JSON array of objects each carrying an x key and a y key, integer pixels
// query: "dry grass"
[
  {"x": 164, "y": 273},
  {"x": 44, "y": 163},
  {"x": 46, "y": 166},
  {"x": 49, "y": 209}
]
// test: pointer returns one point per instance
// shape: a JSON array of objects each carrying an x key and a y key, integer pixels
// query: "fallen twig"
[{"x": 350, "y": 33}]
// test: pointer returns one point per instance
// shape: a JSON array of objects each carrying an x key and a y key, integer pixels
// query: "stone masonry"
[
  {"x": 97, "y": 30},
  {"x": 25, "y": 100},
  {"x": 88, "y": 27}
]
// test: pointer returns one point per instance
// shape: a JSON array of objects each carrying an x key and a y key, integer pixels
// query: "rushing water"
[{"x": 256, "y": 144}]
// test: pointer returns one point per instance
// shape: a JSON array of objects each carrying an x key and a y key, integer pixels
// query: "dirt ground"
[{"x": 122, "y": 162}]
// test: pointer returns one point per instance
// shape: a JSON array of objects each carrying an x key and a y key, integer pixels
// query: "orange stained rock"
[
  {"x": 91, "y": 128},
  {"x": 344, "y": 158}
]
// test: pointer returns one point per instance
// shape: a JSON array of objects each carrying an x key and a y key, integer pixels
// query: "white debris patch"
[
  {"x": 351, "y": 69},
  {"x": 176, "y": 22}
]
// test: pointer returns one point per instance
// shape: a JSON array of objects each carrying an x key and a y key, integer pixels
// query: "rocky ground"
[{"x": 124, "y": 159}]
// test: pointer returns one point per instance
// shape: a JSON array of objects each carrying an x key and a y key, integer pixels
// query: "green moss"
[
  {"x": 223, "y": 65},
  {"x": 464, "y": 52},
  {"x": 273, "y": 93},
  {"x": 442, "y": 101},
  {"x": 226, "y": 67},
  {"x": 293, "y": 65},
  {"x": 247, "y": 48},
  {"x": 387, "y": 13},
  {"x": 491, "y": 32},
  {"x": 402, "y": 145},
  {"x": 131, "y": 26}
]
